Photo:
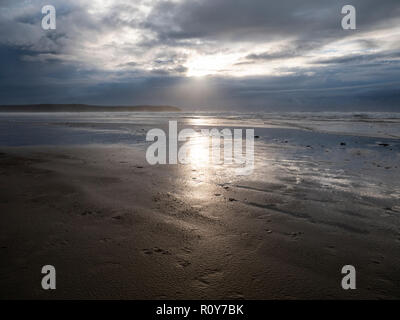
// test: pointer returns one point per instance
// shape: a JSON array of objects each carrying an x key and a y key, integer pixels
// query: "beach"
[{"x": 116, "y": 227}]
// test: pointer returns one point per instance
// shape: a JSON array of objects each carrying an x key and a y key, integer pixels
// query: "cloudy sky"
[{"x": 203, "y": 54}]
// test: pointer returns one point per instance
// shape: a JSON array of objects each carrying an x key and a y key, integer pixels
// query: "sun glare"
[
  {"x": 204, "y": 65},
  {"x": 199, "y": 151}
]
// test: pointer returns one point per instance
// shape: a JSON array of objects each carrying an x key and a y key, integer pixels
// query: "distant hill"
[{"x": 84, "y": 108}]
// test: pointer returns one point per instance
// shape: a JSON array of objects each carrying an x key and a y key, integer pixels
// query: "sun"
[{"x": 203, "y": 65}]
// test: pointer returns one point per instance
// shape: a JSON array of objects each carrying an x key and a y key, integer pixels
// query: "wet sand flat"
[{"x": 115, "y": 227}]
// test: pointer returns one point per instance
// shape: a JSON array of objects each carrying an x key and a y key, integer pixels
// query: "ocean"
[{"x": 357, "y": 152}]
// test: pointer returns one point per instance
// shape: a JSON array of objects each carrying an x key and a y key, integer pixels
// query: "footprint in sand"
[
  {"x": 183, "y": 263},
  {"x": 237, "y": 296},
  {"x": 294, "y": 235},
  {"x": 90, "y": 212},
  {"x": 208, "y": 279},
  {"x": 187, "y": 250},
  {"x": 155, "y": 250}
]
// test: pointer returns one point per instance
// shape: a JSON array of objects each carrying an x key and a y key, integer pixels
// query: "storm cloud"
[{"x": 203, "y": 54}]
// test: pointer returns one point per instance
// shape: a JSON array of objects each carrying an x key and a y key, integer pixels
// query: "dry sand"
[{"x": 115, "y": 227}]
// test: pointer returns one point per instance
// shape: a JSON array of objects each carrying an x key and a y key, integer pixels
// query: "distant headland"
[{"x": 85, "y": 108}]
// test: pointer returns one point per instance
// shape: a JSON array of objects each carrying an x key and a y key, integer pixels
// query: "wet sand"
[{"x": 116, "y": 228}]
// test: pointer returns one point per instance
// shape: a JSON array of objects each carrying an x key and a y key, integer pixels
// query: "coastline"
[{"x": 37, "y": 108}]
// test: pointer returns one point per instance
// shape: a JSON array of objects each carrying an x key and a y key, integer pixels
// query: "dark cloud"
[
  {"x": 296, "y": 49},
  {"x": 312, "y": 20},
  {"x": 91, "y": 57},
  {"x": 362, "y": 58}
]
